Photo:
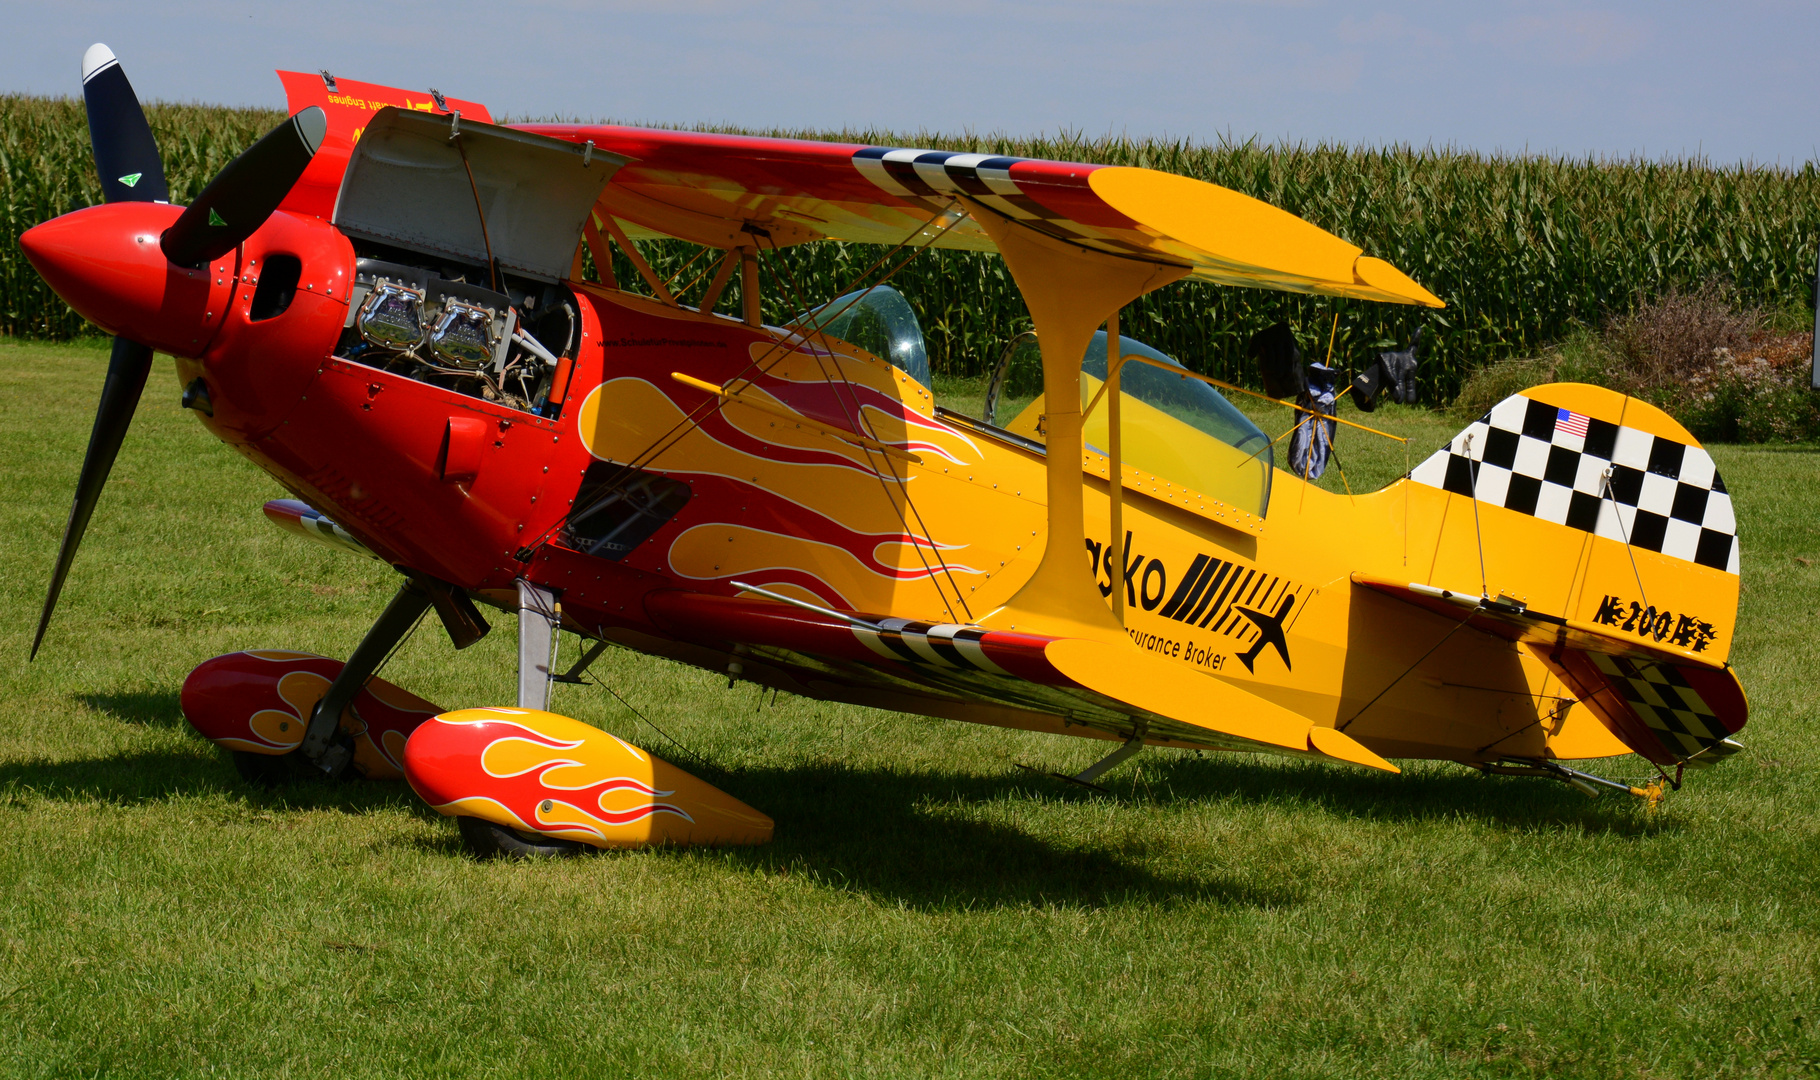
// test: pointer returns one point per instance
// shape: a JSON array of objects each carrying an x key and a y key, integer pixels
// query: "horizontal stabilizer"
[
  {"x": 1670, "y": 704},
  {"x": 1671, "y": 714},
  {"x": 1518, "y": 622}
]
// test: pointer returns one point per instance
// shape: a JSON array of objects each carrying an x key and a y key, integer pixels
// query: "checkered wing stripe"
[
  {"x": 1617, "y": 482},
  {"x": 929, "y": 177},
  {"x": 945, "y": 645},
  {"x": 1661, "y": 698}
]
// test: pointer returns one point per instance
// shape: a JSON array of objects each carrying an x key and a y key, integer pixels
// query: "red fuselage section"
[{"x": 439, "y": 482}]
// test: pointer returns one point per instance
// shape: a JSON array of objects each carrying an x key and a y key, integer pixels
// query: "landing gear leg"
[
  {"x": 319, "y": 748},
  {"x": 539, "y": 618}
]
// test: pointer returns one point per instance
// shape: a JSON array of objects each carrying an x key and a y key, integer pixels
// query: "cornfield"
[{"x": 1522, "y": 248}]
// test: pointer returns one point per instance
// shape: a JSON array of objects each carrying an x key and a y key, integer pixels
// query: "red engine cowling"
[{"x": 259, "y": 701}]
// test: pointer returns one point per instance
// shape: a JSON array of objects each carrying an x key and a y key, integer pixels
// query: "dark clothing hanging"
[
  {"x": 1311, "y": 442},
  {"x": 1279, "y": 360},
  {"x": 1393, "y": 371}
]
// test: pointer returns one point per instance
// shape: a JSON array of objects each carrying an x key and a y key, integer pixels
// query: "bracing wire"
[
  {"x": 858, "y": 419},
  {"x": 770, "y": 358}
]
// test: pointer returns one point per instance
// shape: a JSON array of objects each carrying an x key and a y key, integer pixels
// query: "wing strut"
[{"x": 1070, "y": 292}]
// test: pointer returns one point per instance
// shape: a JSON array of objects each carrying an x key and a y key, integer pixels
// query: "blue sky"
[{"x": 1734, "y": 81}]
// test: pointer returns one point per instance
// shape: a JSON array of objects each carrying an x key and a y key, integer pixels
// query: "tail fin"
[
  {"x": 1603, "y": 537},
  {"x": 1599, "y": 462}
]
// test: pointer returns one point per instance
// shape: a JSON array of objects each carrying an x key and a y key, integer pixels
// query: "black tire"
[
  {"x": 266, "y": 771},
  {"x": 489, "y": 841}
]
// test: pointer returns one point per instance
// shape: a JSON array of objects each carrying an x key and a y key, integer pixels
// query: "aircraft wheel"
[
  {"x": 265, "y": 771},
  {"x": 489, "y": 841}
]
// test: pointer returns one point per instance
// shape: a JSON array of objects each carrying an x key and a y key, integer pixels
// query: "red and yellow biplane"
[{"x": 382, "y": 304}]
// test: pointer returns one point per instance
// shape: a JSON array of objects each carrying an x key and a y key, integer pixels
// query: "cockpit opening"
[{"x": 1174, "y": 427}]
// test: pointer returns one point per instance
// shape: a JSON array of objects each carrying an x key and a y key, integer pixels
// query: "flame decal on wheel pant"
[
  {"x": 544, "y": 773},
  {"x": 260, "y": 700},
  {"x": 530, "y": 755}
]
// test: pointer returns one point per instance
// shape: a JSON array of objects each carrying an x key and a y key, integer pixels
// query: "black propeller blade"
[
  {"x": 125, "y": 153},
  {"x": 229, "y": 210},
  {"x": 127, "y": 157},
  {"x": 246, "y": 192},
  {"x": 126, "y": 372}
]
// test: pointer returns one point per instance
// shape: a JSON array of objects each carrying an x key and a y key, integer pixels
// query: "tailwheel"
[{"x": 487, "y": 840}]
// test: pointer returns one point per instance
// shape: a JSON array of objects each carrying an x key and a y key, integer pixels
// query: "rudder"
[{"x": 1607, "y": 543}]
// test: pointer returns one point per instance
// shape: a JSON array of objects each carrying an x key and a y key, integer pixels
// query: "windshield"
[
  {"x": 878, "y": 320},
  {"x": 1174, "y": 427}
]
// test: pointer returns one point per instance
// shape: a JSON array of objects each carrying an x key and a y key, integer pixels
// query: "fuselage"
[{"x": 761, "y": 489}]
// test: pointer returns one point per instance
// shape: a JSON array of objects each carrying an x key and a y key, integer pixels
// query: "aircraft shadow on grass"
[
  {"x": 904, "y": 835},
  {"x": 862, "y": 829},
  {"x": 146, "y": 776},
  {"x": 151, "y": 709},
  {"x": 907, "y": 837},
  {"x": 1424, "y": 794}
]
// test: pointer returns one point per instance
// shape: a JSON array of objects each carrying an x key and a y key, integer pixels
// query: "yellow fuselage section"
[{"x": 954, "y": 535}]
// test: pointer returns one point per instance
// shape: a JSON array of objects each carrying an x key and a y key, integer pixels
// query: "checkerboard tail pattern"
[
  {"x": 1588, "y": 474},
  {"x": 1675, "y": 712}
]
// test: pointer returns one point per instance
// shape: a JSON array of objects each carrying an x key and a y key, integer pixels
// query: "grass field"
[{"x": 927, "y": 908}]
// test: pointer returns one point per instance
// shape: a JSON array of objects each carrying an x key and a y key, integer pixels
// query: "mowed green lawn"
[{"x": 927, "y": 909}]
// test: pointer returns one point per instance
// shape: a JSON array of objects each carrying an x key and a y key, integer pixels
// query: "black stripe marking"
[
  {"x": 896, "y": 644},
  {"x": 904, "y": 172},
  {"x": 1184, "y": 593},
  {"x": 1209, "y": 588},
  {"x": 946, "y": 650},
  {"x": 1219, "y": 604}
]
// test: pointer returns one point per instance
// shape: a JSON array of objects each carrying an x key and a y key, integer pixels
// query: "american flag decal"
[{"x": 1568, "y": 422}]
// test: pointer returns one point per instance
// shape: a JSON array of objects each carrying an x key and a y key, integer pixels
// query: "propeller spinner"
[{"x": 72, "y": 253}]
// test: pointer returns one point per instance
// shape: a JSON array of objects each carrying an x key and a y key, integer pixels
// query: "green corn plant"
[{"x": 1523, "y": 249}]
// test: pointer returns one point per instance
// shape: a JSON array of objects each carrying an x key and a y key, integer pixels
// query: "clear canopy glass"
[
  {"x": 878, "y": 320},
  {"x": 1174, "y": 427}
]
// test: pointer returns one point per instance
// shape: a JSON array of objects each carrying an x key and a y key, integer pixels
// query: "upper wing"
[
  {"x": 721, "y": 190},
  {"x": 716, "y": 189}
]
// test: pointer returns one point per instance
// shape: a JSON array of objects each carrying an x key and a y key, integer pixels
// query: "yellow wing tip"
[{"x": 1384, "y": 278}]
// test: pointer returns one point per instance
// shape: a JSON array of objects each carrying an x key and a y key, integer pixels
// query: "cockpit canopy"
[
  {"x": 878, "y": 320},
  {"x": 1174, "y": 427}
]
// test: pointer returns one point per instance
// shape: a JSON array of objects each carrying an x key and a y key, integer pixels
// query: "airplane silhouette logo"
[{"x": 1270, "y": 632}]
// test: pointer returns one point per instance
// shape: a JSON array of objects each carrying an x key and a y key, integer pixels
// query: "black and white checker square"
[
  {"x": 928, "y": 177},
  {"x": 1588, "y": 474},
  {"x": 1661, "y": 697}
]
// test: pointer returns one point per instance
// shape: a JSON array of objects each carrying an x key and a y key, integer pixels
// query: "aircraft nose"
[{"x": 106, "y": 262}]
